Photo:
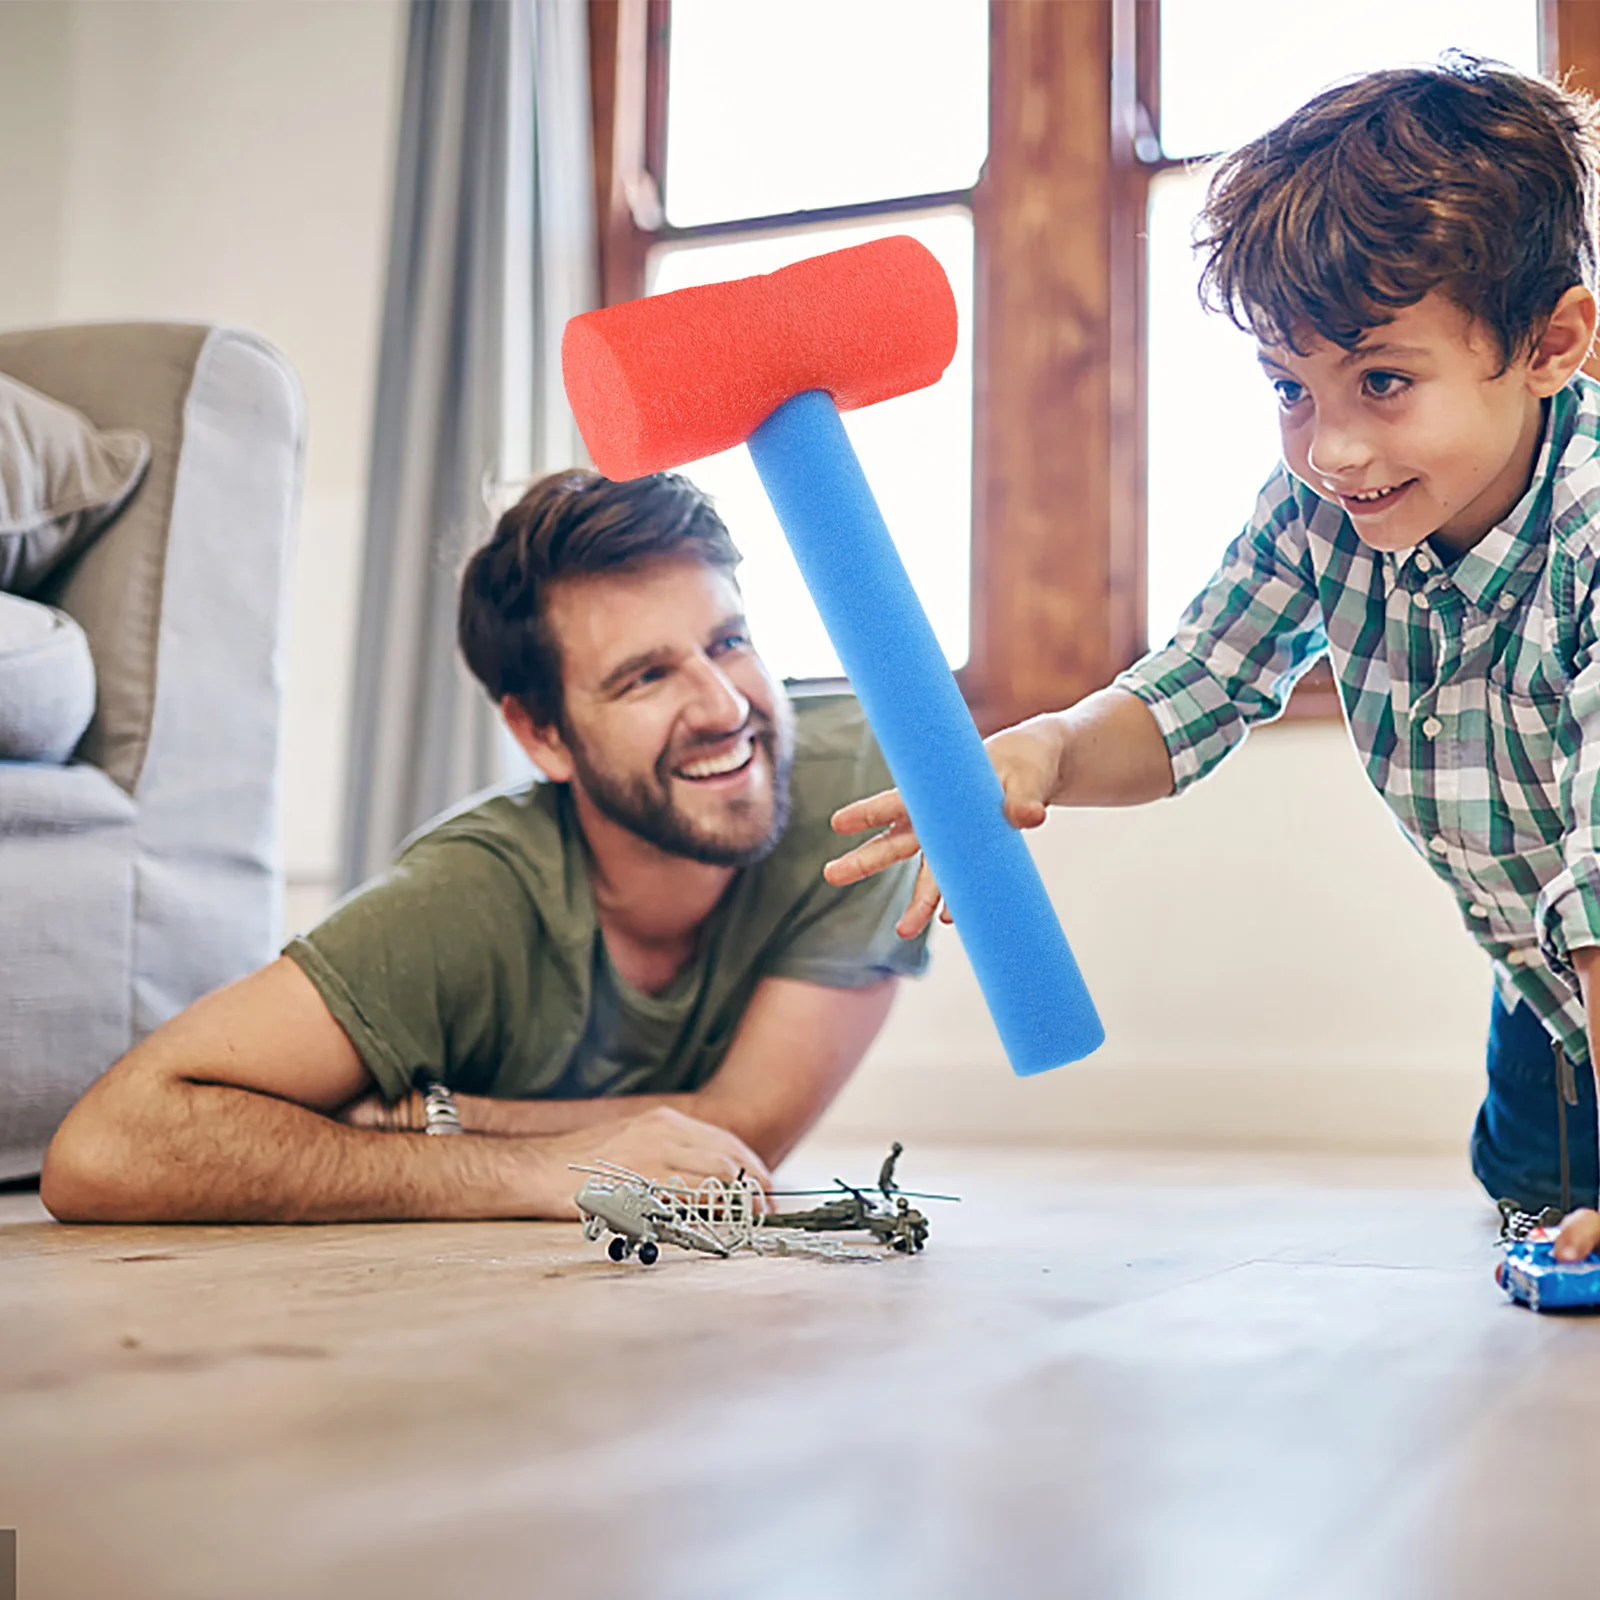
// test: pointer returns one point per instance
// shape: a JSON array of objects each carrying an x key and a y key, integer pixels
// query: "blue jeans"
[{"x": 1516, "y": 1145}]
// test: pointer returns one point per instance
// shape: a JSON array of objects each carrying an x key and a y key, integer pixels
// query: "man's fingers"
[
  {"x": 744, "y": 1159},
  {"x": 899, "y": 844},
  {"x": 1579, "y": 1236},
  {"x": 876, "y": 811},
  {"x": 716, "y": 1152}
]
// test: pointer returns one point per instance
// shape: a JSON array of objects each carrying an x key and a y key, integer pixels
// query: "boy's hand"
[
  {"x": 1027, "y": 760},
  {"x": 1579, "y": 1236}
]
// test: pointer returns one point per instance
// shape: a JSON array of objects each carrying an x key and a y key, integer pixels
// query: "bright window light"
[
  {"x": 1230, "y": 69},
  {"x": 916, "y": 451},
  {"x": 777, "y": 106}
]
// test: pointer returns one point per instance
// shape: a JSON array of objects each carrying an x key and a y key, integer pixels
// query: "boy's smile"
[{"x": 1422, "y": 431}]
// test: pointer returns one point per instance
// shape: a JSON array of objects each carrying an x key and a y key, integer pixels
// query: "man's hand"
[
  {"x": 659, "y": 1144},
  {"x": 1027, "y": 760},
  {"x": 1579, "y": 1236}
]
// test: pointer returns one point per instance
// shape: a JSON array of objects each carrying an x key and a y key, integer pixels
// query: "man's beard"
[{"x": 644, "y": 805}]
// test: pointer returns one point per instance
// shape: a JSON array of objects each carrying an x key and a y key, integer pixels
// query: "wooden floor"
[{"x": 1109, "y": 1376}]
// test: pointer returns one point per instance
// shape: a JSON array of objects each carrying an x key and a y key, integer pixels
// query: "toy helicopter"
[
  {"x": 719, "y": 1218},
  {"x": 892, "y": 1222},
  {"x": 642, "y": 1215}
]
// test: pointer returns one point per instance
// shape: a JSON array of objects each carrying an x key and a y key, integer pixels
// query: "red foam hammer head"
[{"x": 675, "y": 377}]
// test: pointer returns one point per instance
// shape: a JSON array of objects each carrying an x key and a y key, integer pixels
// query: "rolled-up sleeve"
[{"x": 1242, "y": 644}]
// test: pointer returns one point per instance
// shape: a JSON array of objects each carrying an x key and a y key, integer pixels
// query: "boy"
[{"x": 1415, "y": 254}]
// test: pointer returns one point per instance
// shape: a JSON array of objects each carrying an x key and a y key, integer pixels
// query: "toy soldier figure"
[{"x": 886, "y": 1183}]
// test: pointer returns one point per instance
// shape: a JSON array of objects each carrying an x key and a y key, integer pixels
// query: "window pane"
[
  {"x": 777, "y": 107},
  {"x": 1213, "y": 425},
  {"x": 916, "y": 451},
  {"x": 1230, "y": 69}
]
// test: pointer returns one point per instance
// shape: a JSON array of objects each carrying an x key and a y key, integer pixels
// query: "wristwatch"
[{"x": 439, "y": 1108}]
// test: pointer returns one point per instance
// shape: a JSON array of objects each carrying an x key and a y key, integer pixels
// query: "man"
[{"x": 637, "y": 960}]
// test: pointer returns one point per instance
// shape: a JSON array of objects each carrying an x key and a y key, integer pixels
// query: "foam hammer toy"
[{"x": 770, "y": 361}]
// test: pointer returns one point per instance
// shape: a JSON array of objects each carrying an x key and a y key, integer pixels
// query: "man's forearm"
[
  {"x": 543, "y": 1117},
  {"x": 179, "y": 1151},
  {"x": 767, "y": 1133}
]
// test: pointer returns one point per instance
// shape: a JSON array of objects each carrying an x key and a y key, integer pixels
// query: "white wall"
[
  {"x": 1272, "y": 963},
  {"x": 229, "y": 162},
  {"x": 34, "y": 51}
]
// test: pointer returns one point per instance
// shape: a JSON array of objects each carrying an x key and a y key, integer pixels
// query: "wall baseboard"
[{"x": 1367, "y": 1110}]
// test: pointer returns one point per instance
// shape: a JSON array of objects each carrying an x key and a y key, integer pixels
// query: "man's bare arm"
[
  {"x": 796, "y": 1046},
  {"x": 223, "y": 1115}
]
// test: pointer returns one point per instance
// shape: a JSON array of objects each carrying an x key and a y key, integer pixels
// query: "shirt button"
[
  {"x": 1432, "y": 728},
  {"x": 1477, "y": 911},
  {"x": 1518, "y": 958},
  {"x": 1440, "y": 848},
  {"x": 1424, "y": 561},
  {"x": 1506, "y": 601},
  {"x": 1422, "y": 601}
]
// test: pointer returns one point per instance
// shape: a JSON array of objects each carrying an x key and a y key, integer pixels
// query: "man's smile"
[{"x": 730, "y": 763}]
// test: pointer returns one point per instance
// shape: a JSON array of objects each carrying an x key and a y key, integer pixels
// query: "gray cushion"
[
  {"x": 61, "y": 482},
  {"x": 46, "y": 682}
]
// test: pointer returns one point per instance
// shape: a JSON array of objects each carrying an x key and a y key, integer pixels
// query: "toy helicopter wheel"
[
  {"x": 618, "y": 1248},
  {"x": 648, "y": 1252}
]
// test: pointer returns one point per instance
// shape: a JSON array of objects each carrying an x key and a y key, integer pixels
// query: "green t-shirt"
[{"x": 477, "y": 956}]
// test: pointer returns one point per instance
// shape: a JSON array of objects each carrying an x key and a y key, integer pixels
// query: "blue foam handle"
[{"x": 887, "y": 646}]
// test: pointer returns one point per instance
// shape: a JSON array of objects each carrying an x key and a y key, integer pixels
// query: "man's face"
[
  {"x": 1416, "y": 433},
  {"x": 675, "y": 729}
]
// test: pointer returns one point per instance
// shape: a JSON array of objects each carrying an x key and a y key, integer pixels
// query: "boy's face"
[{"x": 1417, "y": 433}]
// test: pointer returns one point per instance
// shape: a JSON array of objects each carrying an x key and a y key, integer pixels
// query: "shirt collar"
[{"x": 1507, "y": 560}]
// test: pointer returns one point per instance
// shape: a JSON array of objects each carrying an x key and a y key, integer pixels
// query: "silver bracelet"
[{"x": 439, "y": 1110}]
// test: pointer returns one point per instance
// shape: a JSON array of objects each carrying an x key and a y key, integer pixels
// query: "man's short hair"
[
  {"x": 568, "y": 525},
  {"x": 1465, "y": 177}
]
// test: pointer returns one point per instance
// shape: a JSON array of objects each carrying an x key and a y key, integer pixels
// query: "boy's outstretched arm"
[
  {"x": 1580, "y": 1233},
  {"x": 1104, "y": 751}
]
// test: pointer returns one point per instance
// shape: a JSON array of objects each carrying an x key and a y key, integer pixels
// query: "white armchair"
[{"x": 145, "y": 872}]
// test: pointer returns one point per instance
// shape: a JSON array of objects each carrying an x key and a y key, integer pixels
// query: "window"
[
  {"x": 897, "y": 90},
  {"x": 775, "y": 132},
  {"x": 916, "y": 451},
  {"x": 1230, "y": 69},
  {"x": 1066, "y": 343}
]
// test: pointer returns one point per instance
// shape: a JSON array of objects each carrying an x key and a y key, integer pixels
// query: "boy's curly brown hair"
[{"x": 1467, "y": 177}]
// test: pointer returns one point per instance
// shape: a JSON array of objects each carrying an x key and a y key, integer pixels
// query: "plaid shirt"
[{"x": 1472, "y": 692}]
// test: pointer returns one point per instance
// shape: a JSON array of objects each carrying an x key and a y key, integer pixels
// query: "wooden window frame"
[{"x": 1059, "y": 211}]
